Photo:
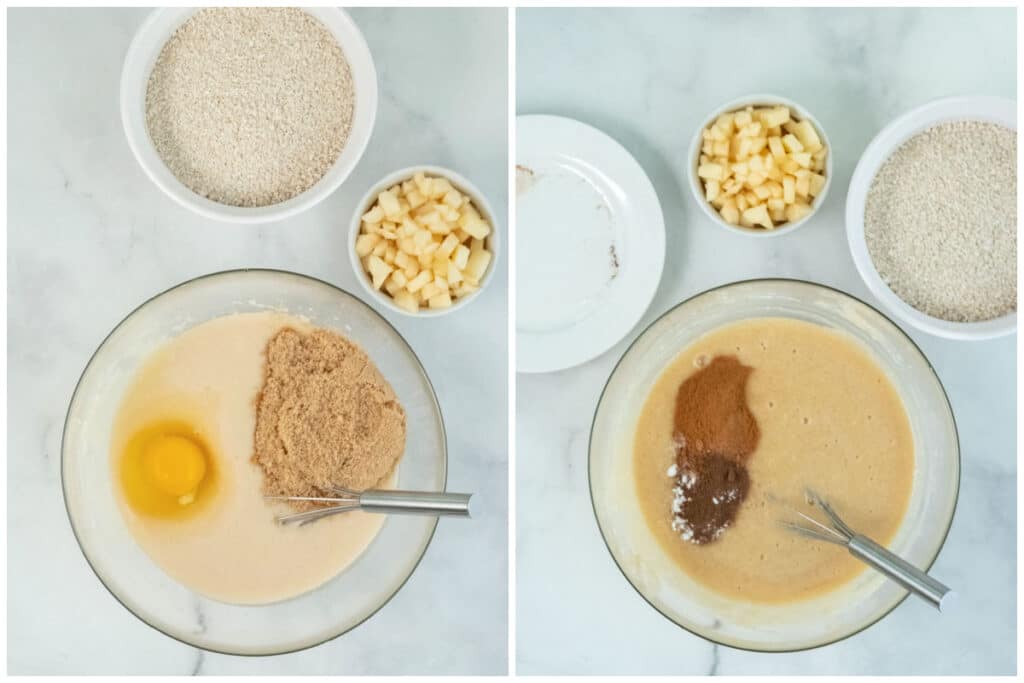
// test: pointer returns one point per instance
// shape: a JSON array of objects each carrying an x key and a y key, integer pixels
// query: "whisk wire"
[
  {"x": 812, "y": 533},
  {"x": 833, "y": 535},
  {"x": 301, "y": 518},
  {"x": 833, "y": 516}
]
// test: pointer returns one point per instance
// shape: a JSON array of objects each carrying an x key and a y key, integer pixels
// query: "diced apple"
[
  {"x": 817, "y": 184},
  {"x": 374, "y": 215},
  {"x": 429, "y": 290},
  {"x": 365, "y": 244},
  {"x": 388, "y": 203},
  {"x": 442, "y": 300},
  {"x": 725, "y": 122},
  {"x": 791, "y": 143},
  {"x": 379, "y": 271},
  {"x": 789, "y": 189},
  {"x": 730, "y": 213},
  {"x": 477, "y": 265},
  {"x": 448, "y": 245},
  {"x": 417, "y": 283},
  {"x": 454, "y": 276},
  {"x": 806, "y": 134},
  {"x": 795, "y": 212},
  {"x": 775, "y": 116},
  {"x": 803, "y": 186},
  {"x": 423, "y": 184},
  {"x": 802, "y": 158},
  {"x": 453, "y": 199},
  {"x": 712, "y": 189},
  {"x": 758, "y": 215},
  {"x": 407, "y": 300},
  {"x": 710, "y": 172},
  {"x": 477, "y": 228}
]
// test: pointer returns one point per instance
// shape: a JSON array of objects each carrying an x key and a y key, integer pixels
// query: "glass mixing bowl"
[
  {"x": 771, "y": 627},
  {"x": 126, "y": 570}
]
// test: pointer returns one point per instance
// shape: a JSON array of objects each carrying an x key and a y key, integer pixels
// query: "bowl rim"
[
  {"x": 63, "y": 459},
  {"x": 916, "y": 120},
  {"x": 693, "y": 156},
  {"x": 460, "y": 183},
  {"x": 185, "y": 196},
  {"x": 590, "y": 479}
]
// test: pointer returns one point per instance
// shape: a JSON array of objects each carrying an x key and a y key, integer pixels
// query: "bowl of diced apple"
[
  {"x": 422, "y": 241},
  {"x": 760, "y": 165}
]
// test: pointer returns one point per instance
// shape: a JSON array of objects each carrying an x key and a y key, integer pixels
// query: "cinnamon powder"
[
  {"x": 324, "y": 417},
  {"x": 714, "y": 433}
]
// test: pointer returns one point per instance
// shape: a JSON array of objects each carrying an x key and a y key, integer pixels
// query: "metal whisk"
[
  {"x": 379, "y": 501},
  {"x": 866, "y": 550}
]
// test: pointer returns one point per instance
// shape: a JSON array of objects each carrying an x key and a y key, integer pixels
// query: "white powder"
[{"x": 250, "y": 106}]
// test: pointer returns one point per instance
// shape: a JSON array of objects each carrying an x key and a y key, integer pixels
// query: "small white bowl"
[
  {"x": 150, "y": 39},
  {"x": 459, "y": 183},
  {"x": 761, "y": 100},
  {"x": 975, "y": 108}
]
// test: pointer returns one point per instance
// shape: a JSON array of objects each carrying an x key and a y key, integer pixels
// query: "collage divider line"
[{"x": 511, "y": 304}]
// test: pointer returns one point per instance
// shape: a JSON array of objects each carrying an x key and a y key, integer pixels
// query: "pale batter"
[
  {"x": 828, "y": 417},
  {"x": 230, "y": 549}
]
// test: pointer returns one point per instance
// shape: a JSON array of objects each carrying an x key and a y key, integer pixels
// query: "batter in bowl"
[
  {"x": 182, "y": 444},
  {"x": 796, "y": 405}
]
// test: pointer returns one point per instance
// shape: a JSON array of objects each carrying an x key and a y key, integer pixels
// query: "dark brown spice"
[{"x": 715, "y": 433}]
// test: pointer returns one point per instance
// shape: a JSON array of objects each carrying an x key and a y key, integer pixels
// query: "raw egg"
[{"x": 167, "y": 470}]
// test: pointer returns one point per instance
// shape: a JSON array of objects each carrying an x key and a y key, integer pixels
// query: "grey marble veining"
[
  {"x": 647, "y": 77},
  {"x": 89, "y": 238}
]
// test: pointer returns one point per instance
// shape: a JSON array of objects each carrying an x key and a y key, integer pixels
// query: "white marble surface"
[
  {"x": 90, "y": 237},
  {"x": 647, "y": 78}
]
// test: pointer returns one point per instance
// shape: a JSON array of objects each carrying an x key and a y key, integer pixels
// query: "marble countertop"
[
  {"x": 647, "y": 78},
  {"x": 89, "y": 238}
]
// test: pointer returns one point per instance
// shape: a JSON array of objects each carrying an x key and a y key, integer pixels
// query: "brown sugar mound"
[{"x": 324, "y": 417}]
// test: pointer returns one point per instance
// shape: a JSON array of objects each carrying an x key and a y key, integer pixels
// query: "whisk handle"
[
  {"x": 900, "y": 571},
  {"x": 416, "y": 503}
]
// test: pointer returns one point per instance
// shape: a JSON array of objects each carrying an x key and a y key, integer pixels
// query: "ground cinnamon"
[
  {"x": 324, "y": 417},
  {"x": 714, "y": 433}
]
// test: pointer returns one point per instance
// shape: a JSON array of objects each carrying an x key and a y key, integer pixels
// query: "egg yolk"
[
  {"x": 166, "y": 470},
  {"x": 175, "y": 465}
]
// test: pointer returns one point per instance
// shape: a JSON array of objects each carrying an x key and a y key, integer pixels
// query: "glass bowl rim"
[
  {"x": 769, "y": 280},
  {"x": 210, "y": 276}
]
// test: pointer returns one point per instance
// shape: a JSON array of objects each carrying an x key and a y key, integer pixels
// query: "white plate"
[{"x": 590, "y": 243}]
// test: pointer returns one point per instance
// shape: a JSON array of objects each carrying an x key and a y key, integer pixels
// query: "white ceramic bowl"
[
  {"x": 764, "y": 626},
  {"x": 467, "y": 188},
  {"x": 149, "y": 40},
  {"x": 123, "y": 566},
  {"x": 697, "y": 187},
  {"x": 977, "y": 108}
]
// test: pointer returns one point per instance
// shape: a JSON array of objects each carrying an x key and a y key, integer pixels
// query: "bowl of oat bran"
[
  {"x": 931, "y": 217},
  {"x": 248, "y": 115}
]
